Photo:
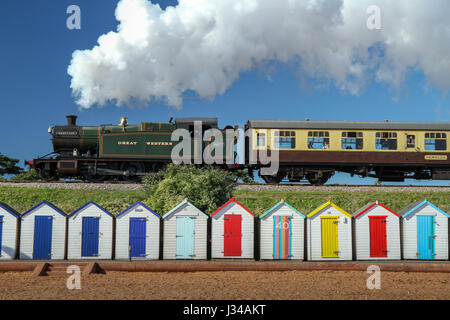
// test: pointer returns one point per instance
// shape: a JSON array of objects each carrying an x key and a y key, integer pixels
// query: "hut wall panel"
[
  {"x": 410, "y": 233},
  {"x": 200, "y": 239},
  {"x": 266, "y": 233},
  {"x": 315, "y": 236},
  {"x": 170, "y": 241},
  {"x": 104, "y": 238},
  {"x": 58, "y": 233},
  {"x": 9, "y": 235},
  {"x": 123, "y": 233},
  {"x": 362, "y": 234},
  {"x": 217, "y": 230}
]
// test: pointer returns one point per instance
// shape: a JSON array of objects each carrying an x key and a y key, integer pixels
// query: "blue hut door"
[
  {"x": 42, "y": 244},
  {"x": 185, "y": 238},
  {"x": 137, "y": 236},
  {"x": 425, "y": 237},
  {"x": 89, "y": 241}
]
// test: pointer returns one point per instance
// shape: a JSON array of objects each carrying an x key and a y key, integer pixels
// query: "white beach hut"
[
  {"x": 90, "y": 233},
  {"x": 185, "y": 232},
  {"x": 282, "y": 233},
  {"x": 329, "y": 233},
  {"x": 137, "y": 233},
  {"x": 425, "y": 232},
  {"x": 9, "y": 222},
  {"x": 377, "y": 233},
  {"x": 43, "y": 233},
  {"x": 232, "y": 231}
]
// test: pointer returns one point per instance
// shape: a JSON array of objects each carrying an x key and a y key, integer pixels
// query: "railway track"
[{"x": 254, "y": 187}]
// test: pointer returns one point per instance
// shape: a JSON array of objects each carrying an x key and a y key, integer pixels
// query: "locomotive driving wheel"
[
  {"x": 46, "y": 175},
  {"x": 94, "y": 177},
  {"x": 132, "y": 171}
]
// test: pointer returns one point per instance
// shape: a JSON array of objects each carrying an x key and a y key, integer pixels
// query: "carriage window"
[
  {"x": 285, "y": 139},
  {"x": 318, "y": 140},
  {"x": 386, "y": 140},
  {"x": 410, "y": 141},
  {"x": 435, "y": 141},
  {"x": 261, "y": 140},
  {"x": 352, "y": 140}
]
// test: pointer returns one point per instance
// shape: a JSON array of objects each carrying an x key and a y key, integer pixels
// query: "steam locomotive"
[{"x": 311, "y": 150}]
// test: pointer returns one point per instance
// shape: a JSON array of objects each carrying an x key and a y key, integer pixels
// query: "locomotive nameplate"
[
  {"x": 127, "y": 143},
  {"x": 158, "y": 143},
  {"x": 435, "y": 157}
]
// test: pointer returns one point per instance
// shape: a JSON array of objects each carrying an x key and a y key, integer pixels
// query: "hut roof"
[
  {"x": 185, "y": 201},
  {"x": 44, "y": 203},
  {"x": 326, "y": 204},
  {"x": 228, "y": 202},
  {"x": 370, "y": 205},
  {"x": 136, "y": 204},
  {"x": 9, "y": 209},
  {"x": 278, "y": 205},
  {"x": 416, "y": 205},
  {"x": 88, "y": 203}
]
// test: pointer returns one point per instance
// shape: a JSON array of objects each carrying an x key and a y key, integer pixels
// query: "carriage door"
[
  {"x": 232, "y": 235},
  {"x": 138, "y": 228},
  {"x": 185, "y": 237},
  {"x": 89, "y": 241},
  {"x": 281, "y": 237},
  {"x": 329, "y": 228},
  {"x": 425, "y": 237},
  {"x": 42, "y": 245},
  {"x": 378, "y": 236}
]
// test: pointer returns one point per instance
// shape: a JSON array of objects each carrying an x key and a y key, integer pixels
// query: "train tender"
[
  {"x": 315, "y": 150},
  {"x": 98, "y": 153}
]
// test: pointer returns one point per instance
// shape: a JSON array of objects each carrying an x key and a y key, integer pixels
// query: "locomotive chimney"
[{"x": 71, "y": 120}]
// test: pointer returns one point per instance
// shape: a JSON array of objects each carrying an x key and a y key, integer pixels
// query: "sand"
[{"x": 295, "y": 285}]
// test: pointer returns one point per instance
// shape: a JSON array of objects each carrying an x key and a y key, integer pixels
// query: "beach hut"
[
  {"x": 232, "y": 231},
  {"x": 329, "y": 233},
  {"x": 9, "y": 222},
  {"x": 137, "y": 233},
  {"x": 377, "y": 233},
  {"x": 185, "y": 232},
  {"x": 43, "y": 233},
  {"x": 425, "y": 232},
  {"x": 282, "y": 233},
  {"x": 90, "y": 233}
]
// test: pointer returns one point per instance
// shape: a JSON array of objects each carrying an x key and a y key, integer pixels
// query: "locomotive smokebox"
[{"x": 71, "y": 120}]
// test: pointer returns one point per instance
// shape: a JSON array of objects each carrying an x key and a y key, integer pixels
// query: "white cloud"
[{"x": 203, "y": 46}]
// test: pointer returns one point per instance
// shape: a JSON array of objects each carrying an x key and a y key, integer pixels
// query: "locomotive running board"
[{"x": 112, "y": 172}]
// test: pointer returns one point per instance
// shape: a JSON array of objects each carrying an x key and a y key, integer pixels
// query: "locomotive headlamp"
[{"x": 50, "y": 130}]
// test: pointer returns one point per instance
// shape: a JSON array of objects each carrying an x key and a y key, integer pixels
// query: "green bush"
[
  {"x": 206, "y": 188},
  {"x": 29, "y": 175}
]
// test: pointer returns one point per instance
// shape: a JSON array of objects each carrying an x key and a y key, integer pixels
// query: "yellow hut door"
[{"x": 330, "y": 247}]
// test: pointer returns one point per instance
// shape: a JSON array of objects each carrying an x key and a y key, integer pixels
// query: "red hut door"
[
  {"x": 378, "y": 237},
  {"x": 232, "y": 235}
]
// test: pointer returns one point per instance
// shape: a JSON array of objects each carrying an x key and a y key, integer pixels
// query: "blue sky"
[{"x": 36, "y": 49}]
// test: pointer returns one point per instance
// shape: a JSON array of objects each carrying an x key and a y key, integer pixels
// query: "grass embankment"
[{"x": 22, "y": 199}]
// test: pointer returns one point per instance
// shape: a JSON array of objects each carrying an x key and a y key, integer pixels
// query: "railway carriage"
[{"x": 315, "y": 150}]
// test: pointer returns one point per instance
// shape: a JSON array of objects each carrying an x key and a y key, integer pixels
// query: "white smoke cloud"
[{"x": 203, "y": 46}]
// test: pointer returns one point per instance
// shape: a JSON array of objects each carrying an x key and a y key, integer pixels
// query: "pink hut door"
[
  {"x": 232, "y": 235},
  {"x": 378, "y": 236}
]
